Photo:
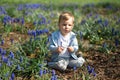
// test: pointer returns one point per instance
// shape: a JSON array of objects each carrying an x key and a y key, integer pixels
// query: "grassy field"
[
  {"x": 24, "y": 30},
  {"x": 58, "y": 2}
]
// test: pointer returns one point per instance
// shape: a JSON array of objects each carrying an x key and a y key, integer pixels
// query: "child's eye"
[
  {"x": 67, "y": 24},
  {"x": 70, "y": 24},
  {"x": 64, "y": 24}
]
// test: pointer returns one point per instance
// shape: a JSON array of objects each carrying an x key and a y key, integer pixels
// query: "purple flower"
[
  {"x": 2, "y": 42},
  {"x": 44, "y": 71},
  {"x": 13, "y": 76},
  {"x": 99, "y": 21},
  {"x": 1, "y": 50},
  {"x": 105, "y": 23},
  {"x": 11, "y": 55},
  {"x": 4, "y": 59},
  {"x": 116, "y": 42},
  {"x": 40, "y": 72},
  {"x": 96, "y": 16},
  {"x": 0, "y": 64},
  {"x": 16, "y": 20},
  {"x": 89, "y": 15},
  {"x": 9, "y": 63},
  {"x": 34, "y": 23},
  {"x": 54, "y": 77},
  {"x": 91, "y": 70},
  {"x": 18, "y": 67},
  {"x": 4, "y": 52},
  {"x": 53, "y": 72},
  {"x": 21, "y": 58},
  {"x": 20, "y": 7},
  {"x": 34, "y": 33},
  {"x": 94, "y": 74},
  {"x": 22, "y": 21},
  {"x": 74, "y": 68},
  {"x": 45, "y": 30},
  {"x": 2, "y": 9},
  {"x": 29, "y": 32},
  {"x": 88, "y": 68}
]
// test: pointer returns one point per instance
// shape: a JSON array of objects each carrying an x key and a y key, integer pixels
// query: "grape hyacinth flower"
[
  {"x": 9, "y": 63},
  {"x": 12, "y": 76},
  {"x": 29, "y": 32},
  {"x": 21, "y": 58},
  {"x": 40, "y": 72},
  {"x": 22, "y": 21},
  {"x": 0, "y": 64},
  {"x": 53, "y": 72},
  {"x": 11, "y": 55},
  {"x": 35, "y": 23},
  {"x": 18, "y": 67},
  {"x": 34, "y": 33},
  {"x": 2, "y": 42},
  {"x": 54, "y": 76},
  {"x": 91, "y": 70},
  {"x": 3, "y": 52},
  {"x": 116, "y": 42},
  {"x": 4, "y": 59},
  {"x": 74, "y": 68},
  {"x": 44, "y": 71},
  {"x": 20, "y": 7}
]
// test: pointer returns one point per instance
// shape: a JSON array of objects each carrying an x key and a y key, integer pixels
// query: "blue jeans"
[{"x": 61, "y": 63}]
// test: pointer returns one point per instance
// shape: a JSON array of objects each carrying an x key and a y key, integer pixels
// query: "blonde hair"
[{"x": 65, "y": 16}]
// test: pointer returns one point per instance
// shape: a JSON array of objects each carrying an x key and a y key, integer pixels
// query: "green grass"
[{"x": 58, "y": 2}]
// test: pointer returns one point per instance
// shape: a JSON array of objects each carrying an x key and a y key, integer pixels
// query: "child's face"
[{"x": 66, "y": 26}]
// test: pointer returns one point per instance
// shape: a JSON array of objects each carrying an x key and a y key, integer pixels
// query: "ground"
[{"x": 107, "y": 66}]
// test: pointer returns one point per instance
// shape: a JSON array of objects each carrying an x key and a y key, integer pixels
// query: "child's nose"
[{"x": 66, "y": 26}]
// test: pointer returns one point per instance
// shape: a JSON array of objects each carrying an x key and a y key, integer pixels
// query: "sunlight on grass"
[{"x": 58, "y": 2}]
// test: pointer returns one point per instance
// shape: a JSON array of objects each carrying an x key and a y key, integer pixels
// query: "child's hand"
[
  {"x": 70, "y": 49},
  {"x": 60, "y": 49}
]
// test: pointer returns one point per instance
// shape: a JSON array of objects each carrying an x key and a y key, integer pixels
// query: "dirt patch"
[
  {"x": 107, "y": 67},
  {"x": 14, "y": 37}
]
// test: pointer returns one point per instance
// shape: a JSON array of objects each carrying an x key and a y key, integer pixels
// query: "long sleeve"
[
  {"x": 53, "y": 41},
  {"x": 74, "y": 44}
]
